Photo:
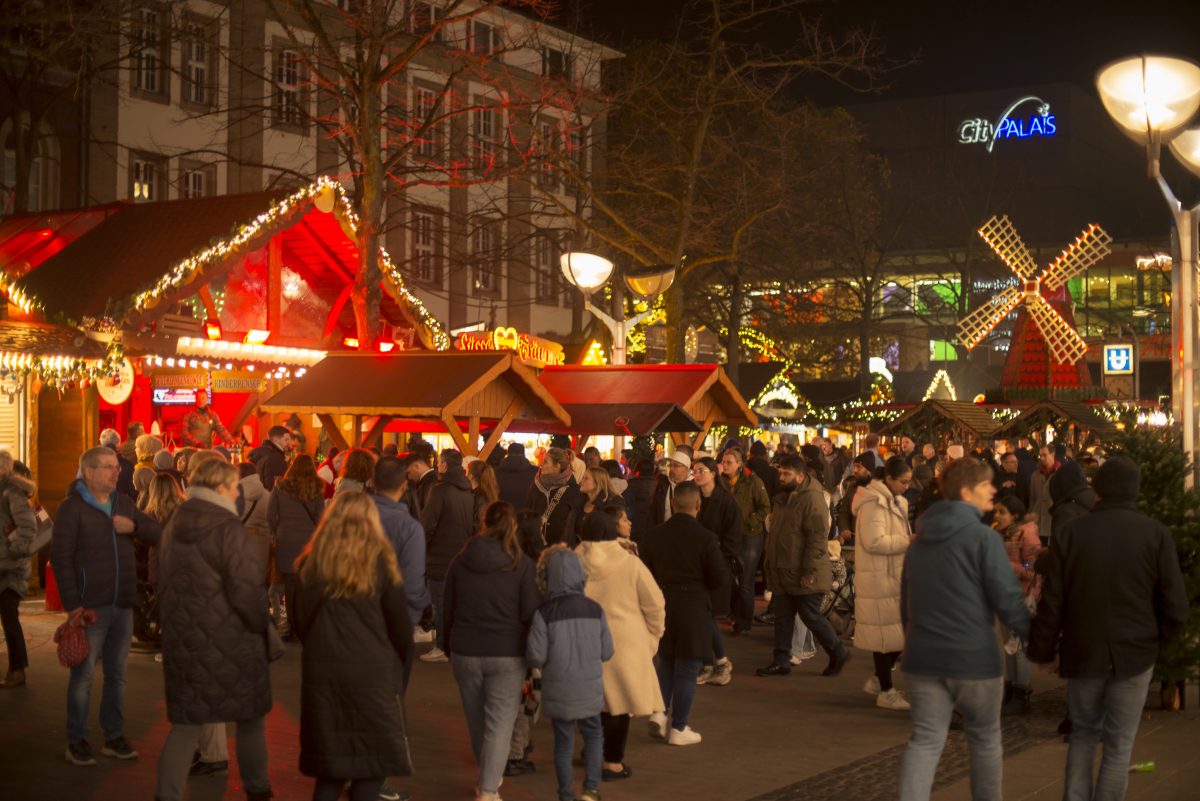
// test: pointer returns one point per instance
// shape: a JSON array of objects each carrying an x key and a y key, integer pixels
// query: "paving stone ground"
[{"x": 798, "y": 738}]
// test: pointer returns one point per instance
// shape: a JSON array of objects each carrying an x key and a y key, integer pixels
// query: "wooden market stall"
[
  {"x": 1074, "y": 422},
  {"x": 934, "y": 420},
  {"x": 685, "y": 400},
  {"x": 464, "y": 392}
]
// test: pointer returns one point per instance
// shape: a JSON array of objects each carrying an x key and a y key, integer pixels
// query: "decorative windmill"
[{"x": 1044, "y": 357}]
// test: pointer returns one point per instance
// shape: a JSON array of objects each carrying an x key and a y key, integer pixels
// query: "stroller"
[{"x": 838, "y": 604}]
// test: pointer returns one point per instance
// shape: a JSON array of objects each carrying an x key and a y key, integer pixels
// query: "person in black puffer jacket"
[
  {"x": 213, "y": 608},
  {"x": 449, "y": 521},
  {"x": 1071, "y": 497},
  {"x": 293, "y": 510},
  {"x": 515, "y": 476},
  {"x": 351, "y": 613}
]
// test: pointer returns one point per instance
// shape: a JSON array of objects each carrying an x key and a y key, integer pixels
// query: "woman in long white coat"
[
  {"x": 637, "y": 615},
  {"x": 882, "y": 536}
]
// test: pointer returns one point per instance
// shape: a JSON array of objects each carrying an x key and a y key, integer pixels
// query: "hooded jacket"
[
  {"x": 449, "y": 520},
  {"x": 488, "y": 603},
  {"x": 408, "y": 541},
  {"x": 569, "y": 641},
  {"x": 18, "y": 528},
  {"x": 1071, "y": 497},
  {"x": 795, "y": 548},
  {"x": 956, "y": 580},
  {"x": 270, "y": 462},
  {"x": 753, "y": 502},
  {"x": 882, "y": 536},
  {"x": 514, "y": 476},
  {"x": 213, "y": 609},
  {"x": 636, "y": 613},
  {"x": 93, "y": 564}
]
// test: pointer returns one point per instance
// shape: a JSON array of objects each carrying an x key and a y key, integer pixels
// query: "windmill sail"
[
  {"x": 1066, "y": 346},
  {"x": 1088, "y": 248},
  {"x": 976, "y": 325},
  {"x": 1003, "y": 238}
]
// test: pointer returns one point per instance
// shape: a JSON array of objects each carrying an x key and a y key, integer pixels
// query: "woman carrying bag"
[{"x": 351, "y": 613}]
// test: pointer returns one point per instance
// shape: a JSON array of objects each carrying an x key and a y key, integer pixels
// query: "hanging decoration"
[{"x": 941, "y": 379}]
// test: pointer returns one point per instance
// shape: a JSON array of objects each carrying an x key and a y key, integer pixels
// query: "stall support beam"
[
  {"x": 705, "y": 427},
  {"x": 333, "y": 431},
  {"x": 493, "y": 439},
  {"x": 275, "y": 284},
  {"x": 456, "y": 433},
  {"x": 247, "y": 408},
  {"x": 473, "y": 430},
  {"x": 375, "y": 432}
]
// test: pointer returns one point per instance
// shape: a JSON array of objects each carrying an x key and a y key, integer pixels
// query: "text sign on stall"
[
  {"x": 533, "y": 350},
  {"x": 222, "y": 380}
]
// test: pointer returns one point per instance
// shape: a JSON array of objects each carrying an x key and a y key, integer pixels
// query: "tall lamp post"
[
  {"x": 1152, "y": 99},
  {"x": 589, "y": 272}
]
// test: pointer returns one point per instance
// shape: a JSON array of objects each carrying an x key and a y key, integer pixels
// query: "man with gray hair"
[
  {"x": 93, "y": 559},
  {"x": 109, "y": 438}
]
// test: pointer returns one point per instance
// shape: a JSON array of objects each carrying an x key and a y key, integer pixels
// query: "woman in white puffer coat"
[{"x": 882, "y": 535}]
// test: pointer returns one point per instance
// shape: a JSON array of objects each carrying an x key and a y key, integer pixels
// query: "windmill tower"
[{"x": 1044, "y": 359}]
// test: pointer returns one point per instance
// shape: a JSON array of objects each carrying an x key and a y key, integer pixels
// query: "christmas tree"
[{"x": 1159, "y": 452}]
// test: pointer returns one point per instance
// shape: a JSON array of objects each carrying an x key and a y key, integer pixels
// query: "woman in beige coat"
[
  {"x": 636, "y": 612},
  {"x": 882, "y": 536}
]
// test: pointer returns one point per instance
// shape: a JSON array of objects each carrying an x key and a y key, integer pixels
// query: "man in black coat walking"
[
  {"x": 515, "y": 475},
  {"x": 1113, "y": 593},
  {"x": 449, "y": 521},
  {"x": 685, "y": 559},
  {"x": 270, "y": 458}
]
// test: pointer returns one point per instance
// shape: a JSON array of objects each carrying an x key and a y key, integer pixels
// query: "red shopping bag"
[{"x": 72, "y": 640}]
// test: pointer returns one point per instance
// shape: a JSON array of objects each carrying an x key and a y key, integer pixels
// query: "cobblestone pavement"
[{"x": 768, "y": 739}]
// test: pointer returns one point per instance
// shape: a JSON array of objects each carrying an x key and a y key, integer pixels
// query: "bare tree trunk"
[
  {"x": 366, "y": 295},
  {"x": 675, "y": 323},
  {"x": 864, "y": 352},
  {"x": 734, "y": 327}
]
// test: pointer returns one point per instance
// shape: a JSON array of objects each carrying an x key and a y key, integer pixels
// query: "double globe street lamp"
[
  {"x": 589, "y": 272},
  {"x": 1153, "y": 99}
]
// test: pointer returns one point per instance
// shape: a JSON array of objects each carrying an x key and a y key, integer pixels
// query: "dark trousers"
[
  {"x": 14, "y": 636},
  {"x": 616, "y": 733},
  {"x": 744, "y": 606},
  {"x": 808, "y": 607},
  {"x": 360, "y": 789},
  {"x": 884, "y": 662},
  {"x": 290, "y": 582}
]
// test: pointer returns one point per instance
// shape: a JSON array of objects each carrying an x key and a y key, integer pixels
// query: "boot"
[
  {"x": 1018, "y": 704},
  {"x": 14, "y": 678}
]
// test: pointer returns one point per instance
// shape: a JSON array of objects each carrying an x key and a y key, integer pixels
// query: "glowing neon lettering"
[{"x": 1008, "y": 126}]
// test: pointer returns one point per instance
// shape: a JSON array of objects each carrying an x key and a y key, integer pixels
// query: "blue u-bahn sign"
[{"x": 1118, "y": 360}]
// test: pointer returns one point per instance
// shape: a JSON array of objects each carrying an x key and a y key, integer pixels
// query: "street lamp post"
[
  {"x": 1152, "y": 99},
  {"x": 589, "y": 272}
]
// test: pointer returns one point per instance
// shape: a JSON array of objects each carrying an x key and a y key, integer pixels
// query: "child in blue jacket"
[{"x": 569, "y": 640}]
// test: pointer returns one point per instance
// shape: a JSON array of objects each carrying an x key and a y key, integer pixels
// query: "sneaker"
[
  {"x": 158, "y": 657},
  {"x": 892, "y": 699},
  {"x": 766, "y": 619},
  {"x": 589, "y": 795},
  {"x": 684, "y": 736},
  {"x": 658, "y": 725},
  {"x": 871, "y": 687},
  {"x": 519, "y": 767},
  {"x": 795, "y": 660},
  {"x": 434, "y": 654},
  {"x": 722, "y": 673},
  {"x": 119, "y": 749},
  {"x": 773, "y": 670},
  {"x": 389, "y": 793},
  {"x": 209, "y": 768},
  {"x": 423, "y": 635},
  {"x": 80, "y": 753},
  {"x": 706, "y": 673},
  {"x": 836, "y": 663}
]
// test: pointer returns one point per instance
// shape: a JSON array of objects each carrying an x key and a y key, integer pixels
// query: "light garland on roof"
[
  {"x": 62, "y": 370},
  {"x": 324, "y": 191},
  {"x": 940, "y": 377},
  {"x": 221, "y": 349}
]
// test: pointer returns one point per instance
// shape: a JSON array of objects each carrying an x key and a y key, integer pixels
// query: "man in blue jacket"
[
  {"x": 93, "y": 559},
  {"x": 957, "y": 579}
]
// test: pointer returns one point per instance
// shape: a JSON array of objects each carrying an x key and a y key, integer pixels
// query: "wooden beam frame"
[
  {"x": 375, "y": 432},
  {"x": 335, "y": 311},
  {"x": 493, "y": 439},
  {"x": 210, "y": 307},
  {"x": 455, "y": 432},
  {"x": 244, "y": 412},
  {"x": 332, "y": 431},
  {"x": 275, "y": 283},
  {"x": 323, "y": 249},
  {"x": 473, "y": 434},
  {"x": 706, "y": 426}
]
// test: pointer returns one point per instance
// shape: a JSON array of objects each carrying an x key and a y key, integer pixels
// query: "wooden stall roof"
[
  {"x": 968, "y": 416},
  {"x": 618, "y": 420},
  {"x": 1056, "y": 413},
  {"x": 39, "y": 339}
]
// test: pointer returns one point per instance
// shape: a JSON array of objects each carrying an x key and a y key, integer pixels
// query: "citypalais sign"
[{"x": 1039, "y": 122}]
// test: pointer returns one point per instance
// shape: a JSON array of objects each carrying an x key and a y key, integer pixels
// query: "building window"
[
  {"x": 429, "y": 141},
  {"x": 197, "y": 180},
  {"x": 547, "y": 270},
  {"x": 197, "y": 65},
  {"x": 289, "y": 94},
  {"x": 145, "y": 178},
  {"x": 42, "y": 184},
  {"x": 426, "y": 250},
  {"x": 423, "y": 19},
  {"x": 149, "y": 41},
  {"x": 548, "y": 143},
  {"x": 485, "y": 258},
  {"x": 484, "y": 39},
  {"x": 488, "y": 125},
  {"x": 577, "y": 151},
  {"x": 556, "y": 63}
]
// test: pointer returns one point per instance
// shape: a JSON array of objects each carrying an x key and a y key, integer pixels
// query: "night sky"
[{"x": 961, "y": 46}]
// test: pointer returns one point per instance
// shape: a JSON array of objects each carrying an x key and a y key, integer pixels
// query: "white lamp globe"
[
  {"x": 585, "y": 270},
  {"x": 1186, "y": 147},
  {"x": 1151, "y": 98}
]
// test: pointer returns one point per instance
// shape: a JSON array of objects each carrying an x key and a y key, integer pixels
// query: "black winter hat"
[
  {"x": 1118, "y": 479},
  {"x": 599, "y": 527},
  {"x": 1067, "y": 480}
]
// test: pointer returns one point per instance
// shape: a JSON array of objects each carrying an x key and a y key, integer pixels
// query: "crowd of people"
[{"x": 591, "y": 592}]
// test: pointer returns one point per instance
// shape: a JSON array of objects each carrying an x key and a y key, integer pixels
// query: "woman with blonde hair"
[
  {"x": 489, "y": 600},
  {"x": 351, "y": 613},
  {"x": 597, "y": 491},
  {"x": 163, "y": 496}
]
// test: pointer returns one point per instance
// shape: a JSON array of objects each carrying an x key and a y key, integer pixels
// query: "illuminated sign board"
[
  {"x": 532, "y": 350},
  {"x": 1010, "y": 125},
  {"x": 1118, "y": 360}
]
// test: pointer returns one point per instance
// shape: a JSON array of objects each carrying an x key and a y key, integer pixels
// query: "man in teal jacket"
[{"x": 957, "y": 580}]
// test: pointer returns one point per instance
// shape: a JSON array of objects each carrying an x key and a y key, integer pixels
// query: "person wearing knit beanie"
[{"x": 1118, "y": 479}]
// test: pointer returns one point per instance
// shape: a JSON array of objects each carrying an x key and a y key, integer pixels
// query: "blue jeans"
[
  {"x": 933, "y": 702},
  {"x": 677, "y": 680},
  {"x": 108, "y": 639},
  {"x": 751, "y": 551},
  {"x": 1102, "y": 709},
  {"x": 808, "y": 607},
  {"x": 437, "y": 590},
  {"x": 490, "y": 688},
  {"x": 564, "y": 746}
]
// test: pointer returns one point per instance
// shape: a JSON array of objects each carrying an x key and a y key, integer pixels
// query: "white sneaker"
[
  {"x": 423, "y": 635},
  {"x": 722, "y": 673},
  {"x": 706, "y": 673},
  {"x": 434, "y": 654},
  {"x": 872, "y": 686},
  {"x": 892, "y": 699},
  {"x": 795, "y": 660},
  {"x": 658, "y": 725},
  {"x": 683, "y": 737}
]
